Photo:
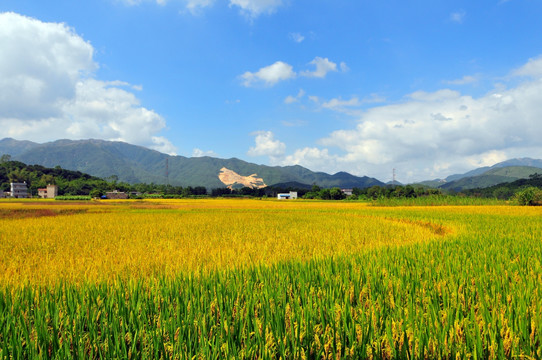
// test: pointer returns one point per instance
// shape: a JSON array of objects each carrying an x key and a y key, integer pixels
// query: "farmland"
[{"x": 267, "y": 279}]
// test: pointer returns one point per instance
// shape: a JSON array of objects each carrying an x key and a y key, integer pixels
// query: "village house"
[
  {"x": 50, "y": 192},
  {"x": 116, "y": 195},
  {"x": 19, "y": 190},
  {"x": 286, "y": 196},
  {"x": 347, "y": 192}
]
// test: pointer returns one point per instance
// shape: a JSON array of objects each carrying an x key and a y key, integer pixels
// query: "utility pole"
[{"x": 167, "y": 170}]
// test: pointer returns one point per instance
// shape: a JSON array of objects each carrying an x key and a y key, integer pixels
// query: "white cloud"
[
  {"x": 52, "y": 94},
  {"x": 293, "y": 99},
  {"x": 266, "y": 145},
  {"x": 351, "y": 107},
  {"x": 269, "y": 75},
  {"x": 311, "y": 158},
  {"x": 195, "y": 6},
  {"x": 254, "y": 8},
  {"x": 137, "y": 2},
  {"x": 533, "y": 68},
  {"x": 249, "y": 8},
  {"x": 280, "y": 71},
  {"x": 435, "y": 134},
  {"x": 294, "y": 123},
  {"x": 340, "y": 104},
  {"x": 465, "y": 80},
  {"x": 290, "y": 99},
  {"x": 297, "y": 37},
  {"x": 458, "y": 16},
  {"x": 323, "y": 66},
  {"x": 199, "y": 153}
]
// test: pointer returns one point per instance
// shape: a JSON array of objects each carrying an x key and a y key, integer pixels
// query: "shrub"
[{"x": 529, "y": 196}]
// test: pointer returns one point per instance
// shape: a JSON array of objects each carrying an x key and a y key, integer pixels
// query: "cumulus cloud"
[
  {"x": 435, "y": 134},
  {"x": 323, "y": 66},
  {"x": 52, "y": 94},
  {"x": 280, "y": 71},
  {"x": 269, "y": 75},
  {"x": 533, "y": 68},
  {"x": 312, "y": 158},
  {"x": 199, "y": 153},
  {"x": 266, "y": 145}
]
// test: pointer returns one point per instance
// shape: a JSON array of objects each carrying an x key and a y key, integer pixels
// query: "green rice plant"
[
  {"x": 73, "y": 197},
  {"x": 471, "y": 291},
  {"x": 437, "y": 200}
]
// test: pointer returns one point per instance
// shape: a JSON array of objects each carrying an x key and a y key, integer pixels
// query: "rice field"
[{"x": 221, "y": 279}]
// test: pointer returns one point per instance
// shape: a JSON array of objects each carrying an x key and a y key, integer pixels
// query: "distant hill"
[
  {"x": 493, "y": 176},
  {"x": 537, "y": 163},
  {"x": 508, "y": 189},
  {"x": 137, "y": 164},
  {"x": 15, "y": 147},
  {"x": 503, "y": 172}
]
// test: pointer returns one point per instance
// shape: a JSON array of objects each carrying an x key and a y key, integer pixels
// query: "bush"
[{"x": 529, "y": 196}]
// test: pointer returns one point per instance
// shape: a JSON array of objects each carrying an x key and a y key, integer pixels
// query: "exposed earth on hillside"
[{"x": 232, "y": 179}]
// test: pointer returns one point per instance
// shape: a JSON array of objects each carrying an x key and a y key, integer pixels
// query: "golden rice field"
[{"x": 265, "y": 279}]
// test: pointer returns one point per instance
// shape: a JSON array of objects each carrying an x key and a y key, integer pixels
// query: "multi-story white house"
[{"x": 19, "y": 190}]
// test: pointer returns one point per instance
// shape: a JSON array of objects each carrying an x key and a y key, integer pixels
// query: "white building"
[
  {"x": 19, "y": 190},
  {"x": 286, "y": 196},
  {"x": 347, "y": 192}
]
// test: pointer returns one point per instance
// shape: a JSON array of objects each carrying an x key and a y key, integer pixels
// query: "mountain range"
[
  {"x": 136, "y": 164},
  {"x": 503, "y": 172}
]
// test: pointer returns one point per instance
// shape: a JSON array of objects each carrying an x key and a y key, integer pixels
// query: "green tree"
[
  {"x": 19, "y": 175},
  {"x": 5, "y": 158},
  {"x": 324, "y": 194},
  {"x": 336, "y": 194},
  {"x": 374, "y": 192},
  {"x": 529, "y": 196},
  {"x": 96, "y": 193}
]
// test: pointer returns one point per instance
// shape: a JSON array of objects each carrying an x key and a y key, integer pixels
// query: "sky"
[{"x": 427, "y": 87}]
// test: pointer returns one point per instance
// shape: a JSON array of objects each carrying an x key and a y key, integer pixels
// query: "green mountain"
[
  {"x": 507, "y": 190},
  {"x": 491, "y": 177},
  {"x": 537, "y": 163},
  {"x": 136, "y": 164}
]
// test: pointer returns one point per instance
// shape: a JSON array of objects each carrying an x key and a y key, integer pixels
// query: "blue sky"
[{"x": 430, "y": 88}]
